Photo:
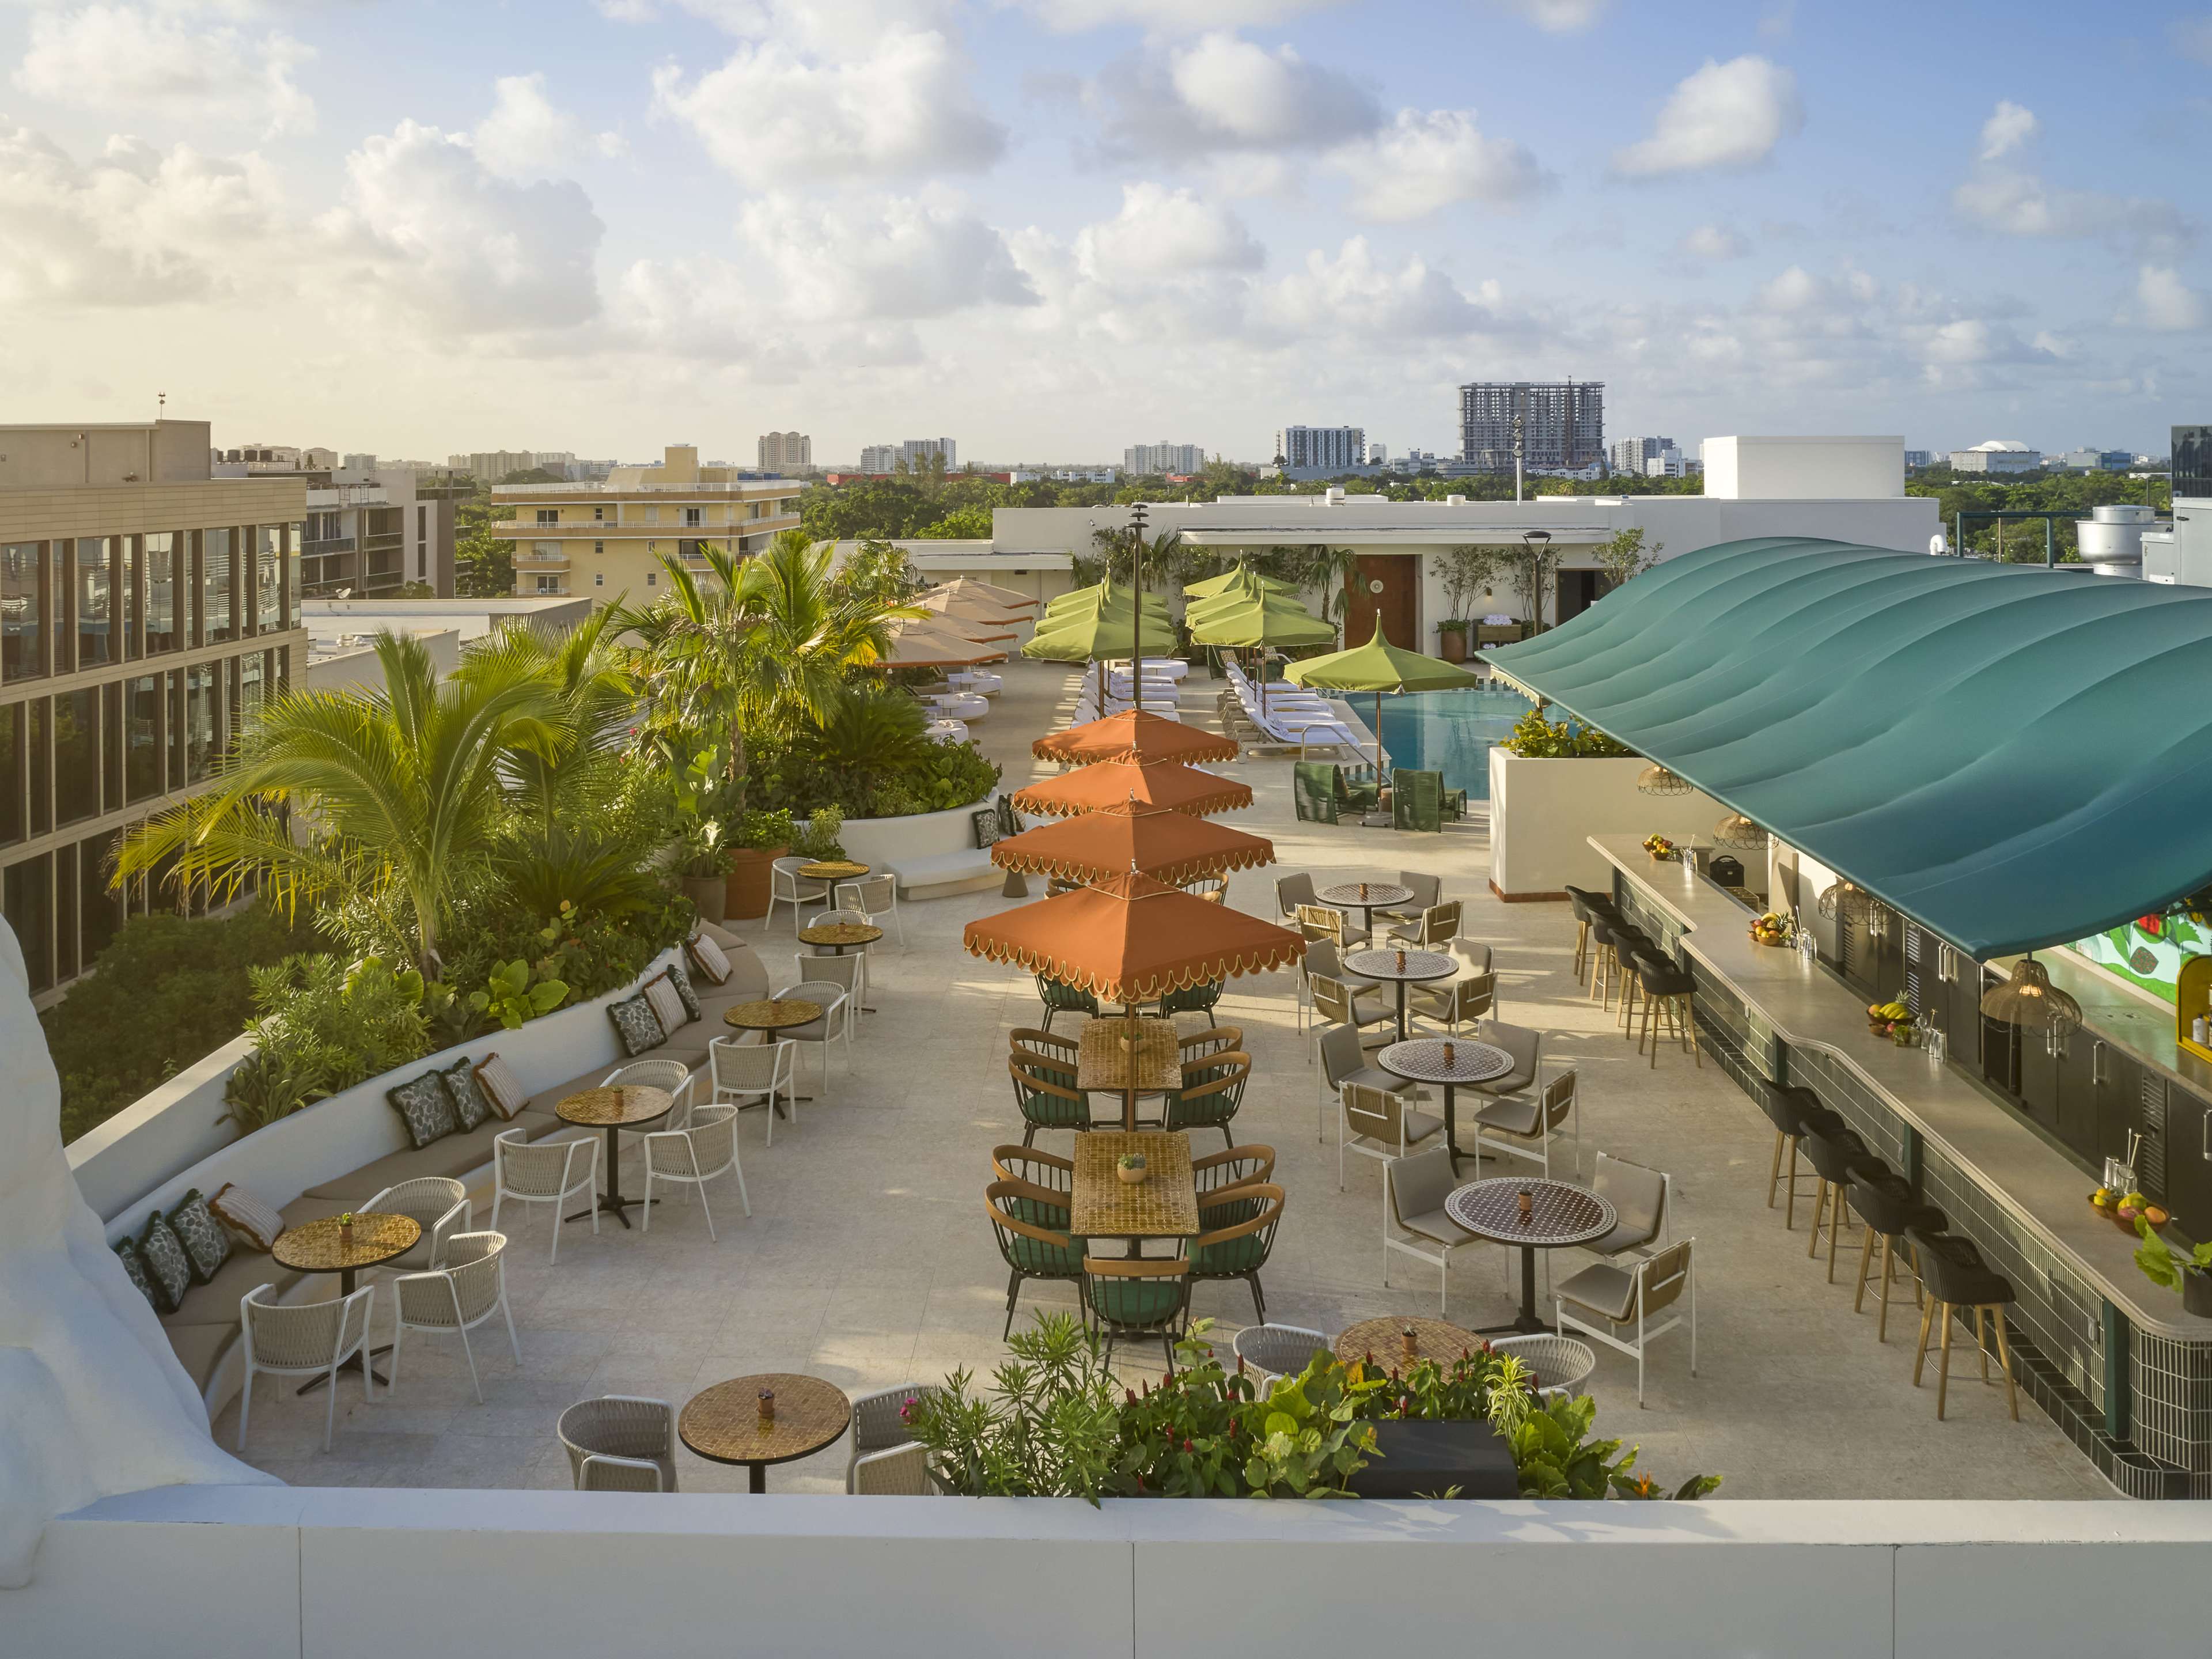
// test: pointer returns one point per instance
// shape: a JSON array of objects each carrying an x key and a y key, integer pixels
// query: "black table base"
[
  {"x": 1526, "y": 1322},
  {"x": 355, "y": 1362}
]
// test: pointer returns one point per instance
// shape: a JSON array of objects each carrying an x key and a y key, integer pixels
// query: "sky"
[{"x": 1053, "y": 229}]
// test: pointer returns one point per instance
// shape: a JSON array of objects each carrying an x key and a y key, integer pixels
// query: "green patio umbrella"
[
  {"x": 1379, "y": 666},
  {"x": 1102, "y": 629},
  {"x": 1242, "y": 578},
  {"x": 1082, "y": 601},
  {"x": 1258, "y": 623}
]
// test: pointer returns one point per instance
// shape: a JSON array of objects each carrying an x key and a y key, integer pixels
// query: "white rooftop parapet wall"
[{"x": 92, "y": 1399}]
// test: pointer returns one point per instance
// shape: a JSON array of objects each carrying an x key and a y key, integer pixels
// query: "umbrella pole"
[
  {"x": 1378, "y": 740},
  {"x": 1129, "y": 1077}
]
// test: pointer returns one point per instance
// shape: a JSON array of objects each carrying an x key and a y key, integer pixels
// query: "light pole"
[
  {"x": 1537, "y": 543},
  {"x": 1137, "y": 598}
]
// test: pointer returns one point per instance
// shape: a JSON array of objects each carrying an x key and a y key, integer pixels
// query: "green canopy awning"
[
  {"x": 1243, "y": 577},
  {"x": 2010, "y": 756},
  {"x": 1258, "y": 622}
]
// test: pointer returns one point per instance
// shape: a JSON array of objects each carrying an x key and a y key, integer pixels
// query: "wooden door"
[{"x": 1396, "y": 600}]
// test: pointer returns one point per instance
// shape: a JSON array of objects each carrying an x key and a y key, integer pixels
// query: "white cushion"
[
  {"x": 501, "y": 1087},
  {"x": 256, "y": 1224},
  {"x": 709, "y": 958},
  {"x": 667, "y": 1006}
]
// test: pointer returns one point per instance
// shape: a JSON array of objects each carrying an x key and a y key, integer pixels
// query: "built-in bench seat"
[{"x": 939, "y": 875}]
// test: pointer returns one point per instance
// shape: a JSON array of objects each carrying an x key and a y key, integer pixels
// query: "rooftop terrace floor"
[{"x": 868, "y": 1260}]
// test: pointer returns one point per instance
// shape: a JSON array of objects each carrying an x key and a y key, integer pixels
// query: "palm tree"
[
  {"x": 399, "y": 790},
  {"x": 595, "y": 700},
  {"x": 766, "y": 645},
  {"x": 1332, "y": 570}
]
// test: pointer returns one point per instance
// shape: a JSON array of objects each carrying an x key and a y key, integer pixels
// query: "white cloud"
[
  {"x": 2166, "y": 303},
  {"x": 110, "y": 58},
  {"x": 1559, "y": 16},
  {"x": 425, "y": 225},
  {"x": 1223, "y": 95},
  {"x": 525, "y": 136},
  {"x": 1161, "y": 234},
  {"x": 2010, "y": 126},
  {"x": 1714, "y": 243},
  {"x": 1355, "y": 294},
  {"x": 1724, "y": 115},
  {"x": 898, "y": 258},
  {"x": 1167, "y": 17},
  {"x": 773, "y": 112},
  {"x": 1422, "y": 162}
]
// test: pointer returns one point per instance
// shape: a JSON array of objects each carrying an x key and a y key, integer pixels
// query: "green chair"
[
  {"x": 1313, "y": 791},
  {"x": 1240, "y": 1233},
  {"x": 1356, "y": 791},
  {"x": 1455, "y": 804},
  {"x": 1033, "y": 1239},
  {"x": 1043, "y": 1069},
  {"x": 1212, "y": 1091},
  {"x": 1417, "y": 799},
  {"x": 1191, "y": 1000},
  {"x": 1138, "y": 1295},
  {"x": 1060, "y": 998}
]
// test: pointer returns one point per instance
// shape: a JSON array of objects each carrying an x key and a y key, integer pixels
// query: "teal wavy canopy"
[{"x": 2010, "y": 756}]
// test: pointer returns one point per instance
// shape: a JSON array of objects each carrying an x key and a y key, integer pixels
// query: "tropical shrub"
[
  {"x": 1538, "y": 739},
  {"x": 818, "y": 840},
  {"x": 510, "y": 997},
  {"x": 324, "y": 1027}
]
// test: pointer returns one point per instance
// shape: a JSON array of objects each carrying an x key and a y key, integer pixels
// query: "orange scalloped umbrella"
[
  {"x": 1134, "y": 735},
  {"x": 1109, "y": 783},
  {"x": 1173, "y": 846},
  {"x": 1131, "y": 939}
]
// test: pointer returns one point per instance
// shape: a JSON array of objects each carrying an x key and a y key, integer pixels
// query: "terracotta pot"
[
  {"x": 709, "y": 895},
  {"x": 746, "y": 890},
  {"x": 1452, "y": 644}
]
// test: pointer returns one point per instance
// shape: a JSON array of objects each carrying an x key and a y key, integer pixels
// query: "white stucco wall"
[{"x": 1541, "y": 813}]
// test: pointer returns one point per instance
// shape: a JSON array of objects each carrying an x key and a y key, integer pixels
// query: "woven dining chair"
[
  {"x": 836, "y": 1024},
  {"x": 438, "y": 1204},
  {"x": 1047, "y": 1171},
  {"x": 1238, "y": 1233},
  {"x": 1239, "y": 1166},
  {"x": 1030, "y": 1224},
  {"x": 620, "y": 1442},
  {"x": 464, "y": 1293},
  {"x": 311, "y": 1339},
  {"x": 1213, "y": 1090},
  {"x": 1138, "y": 1297},
  {"x": 550, "y": 1172},
  {"x": 877, "y": 900},
  {"x": 694, "y": 1156},
  {"x": 880, "y": 1424},
  {"x": 1045, "y": 1091},
  {"x": 740, "y": 1072},
  {"x": 1271, "y": 1351}
]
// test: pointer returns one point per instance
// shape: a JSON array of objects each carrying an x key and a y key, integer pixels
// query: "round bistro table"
[
  {"x": 722, "y": 1424},
  {"x": 1433, "y": 1338},
  {"x": 1559, "y": 1216},
  {"x": 632, "y": 1106},
  {"x": 1364, "y": 897},
  {"x": 1400, "y": 968},
  {"x": 1422, "y": 1060},
  {"x": 323, "y": 1247},
  {"x": 774, "y": 1014}
]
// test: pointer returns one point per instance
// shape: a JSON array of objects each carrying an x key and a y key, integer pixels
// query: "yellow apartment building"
[{"x": 604, "y": 540}]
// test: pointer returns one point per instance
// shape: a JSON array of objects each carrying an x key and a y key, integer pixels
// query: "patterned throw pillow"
[
  {"x": 501, "y": 1087},
  {"x": 426, "y": 1108},
  {"x": 636, "y": 1024},
  {"x": 708, "y": 959},
  {"x": 202, "y": 1235},
  {"x": 135, "y": 1270},
  {"x": 470, "y": 1106},
  {"x": 675, "y": 976},
  {"x": 253, "y": 1222},
  {"x": 667, "y": 1006},
  {"x": 162, "y": 1255},
  {"x": 988, "y": 828}
]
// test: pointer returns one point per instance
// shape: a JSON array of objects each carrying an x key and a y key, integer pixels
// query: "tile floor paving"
[{"x": 868, "y": 1260}]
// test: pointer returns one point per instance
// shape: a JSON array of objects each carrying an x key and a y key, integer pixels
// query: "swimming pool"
[{"x": 1447, "y": 731}]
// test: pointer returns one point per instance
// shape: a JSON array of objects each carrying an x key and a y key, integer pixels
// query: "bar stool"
[
  {"x": 1957, "y": 1277},
  {"x": 1669, "y": 992},
  {"x": 1616, "y": 941},
  {"x": 1587, "y": 905},
  {"x": 1793, "y": 1112},
  {"x": 1629, "y": 942},
  {"x": 1887, "y": 1205},
  {"x": 1604, "y": 959},
  {"x": 1837, "y": 1155}
]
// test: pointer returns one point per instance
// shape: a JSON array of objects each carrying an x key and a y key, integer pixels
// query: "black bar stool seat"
[
  {"x": 1669, "y": 994},
  {"x": 1837, "y": 1154},
  {"x": 1957, "y": 1277},
  {"x": 1890, "y": 1208},
  {"x": 1792, "y": 1111}
]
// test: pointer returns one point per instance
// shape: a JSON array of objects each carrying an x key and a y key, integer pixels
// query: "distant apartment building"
[
  {"x": 252, "y": 460},
  {"x": 786, "y": 452},
  {"x": 603, "y": 540},
  {"x": 1997, "y": 455},
  {"x": 490, "y": 465},
  {"x": 1150, "y": 460},
  {"x": 909, "y": 455},
  {"x": 1629, "y": 454},
  {"x": 1342, "y": 447},
  {"x": 2093, "y": 460},
  {"x": 1672, "y": 463},
  {"x": 1919, "y": 458},
  {"x": 367, "y": 529},
  {"x": 1379, "y": 455},
  {"x": 1558, "y": 425},
  {"x": 147, "y": 607}
]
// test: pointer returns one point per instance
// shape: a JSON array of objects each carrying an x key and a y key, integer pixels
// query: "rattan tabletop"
[
  {"x": 1410, "y": 965},
  {"x": 323, "y": 1247},
  {"x": 841, "y": 932},
  {"x": 772, "y": 1014},
  {"x": 1164, "y": 1204},
  {"x": 620, "y": 1108},
  {"x": 1101, "y": 1062},
  {"x": 1433, "y": 1338},
  {"x": 1558, "y": 1215},
  {"x": 1424, "y": 1060},
  {"x": 722, "y": 1424},
  {"x": 834, "y": 870},
  {"x": 1362, "y": 893}
]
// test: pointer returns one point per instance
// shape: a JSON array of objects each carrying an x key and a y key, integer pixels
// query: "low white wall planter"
[
  {"x": 1542, "y": 813},
  {"x": 165, "y": 1130},
  {"x": 881, "y": 842}
]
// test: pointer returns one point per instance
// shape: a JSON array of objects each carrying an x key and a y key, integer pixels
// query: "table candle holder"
[
  {"x": 1410, "y": 1343},
  {"x": 1450, "y": 1061},
  {"x": 767, "y": 1408},
  {"x": 1401, "y": 962},
  {"x": 1528, "y": 1203},
  {"x": 1363, "y": 890}
]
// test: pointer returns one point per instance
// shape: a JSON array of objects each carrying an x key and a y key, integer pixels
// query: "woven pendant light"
[
  {"x": 1657, "y": 780},
  {"x": 1737, "y": 830},
  {"x": 1846, "y": 901},
  {"x": 2028, "y": 999}
]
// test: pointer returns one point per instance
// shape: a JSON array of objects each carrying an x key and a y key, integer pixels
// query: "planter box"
[
  {"x": 1418, "y": 1459},
  {"x": 1542, "y": 813},
  {"x": 932, "y": 854},
  {"x": 746, "y": 889}
]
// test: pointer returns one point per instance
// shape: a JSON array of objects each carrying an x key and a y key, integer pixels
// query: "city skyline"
[{"x": 1053, "y": 226}]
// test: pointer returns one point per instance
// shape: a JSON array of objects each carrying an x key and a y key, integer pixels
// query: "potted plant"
[
  {"x": 2164, "y": 1265},
  {"x": 1451, "y": 640},
  {"x": 703, "y": 869},
  {"x": 757, "y": 840},
  {"x": 1130, "y": 1168}
]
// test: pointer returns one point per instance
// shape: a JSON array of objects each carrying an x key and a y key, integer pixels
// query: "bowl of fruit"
[
  {"x": 1892, "y": 1020},
  {"x": 1659, "y": 847},
  {"x": 1771, "y": 929},
  {"x": 2123, "y": 1207}
]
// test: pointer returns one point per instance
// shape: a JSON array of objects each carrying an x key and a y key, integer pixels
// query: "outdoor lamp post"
[
  {"x": 1137, "y": 596},
  {"x": 1536, "y": 543}
]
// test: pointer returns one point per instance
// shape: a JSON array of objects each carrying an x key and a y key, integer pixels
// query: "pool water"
[{"x": 1447, "y": 731}]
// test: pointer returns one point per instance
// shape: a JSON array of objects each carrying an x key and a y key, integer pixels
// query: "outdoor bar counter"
[{"x": 2110, "y": 1356}]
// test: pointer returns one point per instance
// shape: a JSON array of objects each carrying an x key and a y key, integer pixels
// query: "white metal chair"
[
  {"x": 786, "y": 886},
  {"x": 1602, "y": 1299},
  {"x": 1526, "y": 1125},
  {"x": 621, "y": 1442},
  {"x": 310, "y": 1339},
  {"x": 880, "y": 1427},
  {"x": 1472, "y": 994},
  {"x": 1344, "y": 1060},
  {"x": 464, "y": 1293},
  {"x": 693, "y": 1157},
  {"x": 1427, "y": 889},
  {"x": 836, "y": 1024},
  {"x": 1436, "y": 925},
  {"x": 1415, "y": 1188},
  {"x": 438, "y": 1204},
  {"x": 672, "y": 1075},
  {"x": 767, "y": 1071},
  {"x": 1642, "y": 1198},
  {"x": 896, "y": 1472},
  {"x": 1524, "y": 1047},
  {"x": 1377, "y": 1124},
  {"x": 1323, "y": 958},
  {"x": 551, "y": 1172},
  {"x": 877, "y": 900}
]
